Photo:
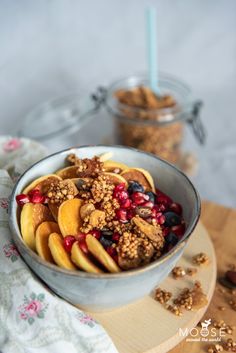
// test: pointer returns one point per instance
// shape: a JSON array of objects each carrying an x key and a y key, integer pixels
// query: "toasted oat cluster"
[
  {"x": 99, "y": 215},
  {"x": 188, "y": 299}
]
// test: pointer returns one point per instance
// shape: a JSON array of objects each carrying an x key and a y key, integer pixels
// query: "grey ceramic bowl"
[{"x": 106, "y": 291}]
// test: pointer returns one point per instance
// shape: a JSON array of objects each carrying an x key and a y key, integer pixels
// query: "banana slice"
[
  {"x": 81, "y": 260},
  {"x": 140, "y": 175},
  {"x": 69, "y": 219},
  {"x": 59, "y": 254},
  {"x": 32, "y": 215},
  {"x": 101, "y": 255},
  {"x": 105, "y": 156},
  {"x": 41, "y": 238}
]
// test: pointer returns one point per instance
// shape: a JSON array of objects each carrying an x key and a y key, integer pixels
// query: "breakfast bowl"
[{"x": 105, "y": 291}]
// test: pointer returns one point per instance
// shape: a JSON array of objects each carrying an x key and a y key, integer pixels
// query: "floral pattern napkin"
[{"x": 32, "y": 318}]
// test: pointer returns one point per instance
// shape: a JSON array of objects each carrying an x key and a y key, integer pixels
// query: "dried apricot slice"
[
  {"x": 69, "y": 219},
  {"x": 59, "y": 254},
  {"x": 140, "y": 175},
  {"x": 101, "y": 255},
  {"x": 81, "y": 260},
  {"x": 41, "y": 183},
  {"x": 32, "y": 215},
  {"x": 41, "y": 238}
]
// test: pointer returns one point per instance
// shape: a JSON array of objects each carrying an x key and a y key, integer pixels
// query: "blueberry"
[
  {"x": 152, "y": 196},
  {"x": 172, "y": 219},
  {"x": 134, "y": 186},
  {"x": 171, "y": 239},
  {"x": 105, "y": 242},
  {"x": 107, "y": 234}
]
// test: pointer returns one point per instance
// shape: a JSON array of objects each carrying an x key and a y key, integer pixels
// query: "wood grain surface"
[
  {"x": 221, "y": 225},
  {"x": 145, "y": 327}
]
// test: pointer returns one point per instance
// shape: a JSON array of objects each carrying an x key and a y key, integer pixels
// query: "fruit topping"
[
  {"x": 68, "y": 241},
  {"x": 134, "y": 186},
  {"x": 22, "y": 199},
  {"x": 172, "y": 219},
  {"x": 176, "y": 208}
]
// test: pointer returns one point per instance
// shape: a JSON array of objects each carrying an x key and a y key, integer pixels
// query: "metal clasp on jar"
[{"x": 195, "y": 122}]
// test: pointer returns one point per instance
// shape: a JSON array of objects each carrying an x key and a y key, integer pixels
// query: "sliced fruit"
[
  {"x": 68, "y": 172},
  {"x": 82, "y": 260},
  {"x": 59, "y": 254},
  {"x": 140, "y": 175},
  {"x": 105, "y": 156},
  {"x": 54, "y": 208},
  {"x": 115, "y": 178},
  {"x": 69, "y": 219},
  {"x": 41, "y": 183},
  {"x": 41, "y": 238},
  {"x": 32, "y": 215},
  {"x": 114, "y": 167},
  {"x": 97, "y": 250}
]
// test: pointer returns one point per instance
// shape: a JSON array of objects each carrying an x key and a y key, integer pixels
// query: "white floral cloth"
[{"x": 32, "y": 318}]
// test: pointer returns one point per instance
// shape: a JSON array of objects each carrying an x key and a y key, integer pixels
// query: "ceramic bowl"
[{"x": 106, "y": 291}]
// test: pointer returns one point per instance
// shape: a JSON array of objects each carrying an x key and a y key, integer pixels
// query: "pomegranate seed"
[
  {"x": 126, "y": 204},
  {"x": 96, "y": 233},
  {"x": 22, "y": 199},
  {"x": 165, "y": 231},
  {"x": 139, "y": 198},
  {"x": 68, "y": 241},
  {"x": 35, "y": 196},
  {"x": 178, "y": 230},
  {"x": 116, "y": 237},
  {"x": 121, "y": 215},
  {"x": 130, "y": 214},
  {"x": 120, "y": 187},
  {"x": 115, "y": 258},
  {"x": 163, "y": 198},
  {"x": 176, "y": 208},
  {"x": 148, "y": 204},
  {"x": 81, "y": 236},
  {"x": 161, "y": 219},
  {"x": 83, "y": 246},
  {"x": 111, "y": 251}
]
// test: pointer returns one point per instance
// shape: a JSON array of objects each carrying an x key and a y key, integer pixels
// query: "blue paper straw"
[{"x": 152, "y": 50}]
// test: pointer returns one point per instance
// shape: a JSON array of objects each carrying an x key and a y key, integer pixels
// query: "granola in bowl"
[{"x": 99, "y": 216}]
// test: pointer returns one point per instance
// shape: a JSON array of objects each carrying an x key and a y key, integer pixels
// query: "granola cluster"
[
  {"x": 86, "y": 167},
  {"x": 61, "y": 190},
  {"x": 188, "y": 299},
  {"x": 201, "y": 259}
]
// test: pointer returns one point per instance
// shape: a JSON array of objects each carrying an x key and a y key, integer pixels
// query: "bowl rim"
[{"x": 77, "y": 273}]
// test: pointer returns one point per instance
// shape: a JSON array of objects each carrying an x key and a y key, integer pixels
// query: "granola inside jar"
[{"x": 153, "y": 123}]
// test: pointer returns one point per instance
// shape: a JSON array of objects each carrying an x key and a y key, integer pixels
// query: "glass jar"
[
  {"x": 158, "y": 131},
  {"x": 75, "y": 120}
]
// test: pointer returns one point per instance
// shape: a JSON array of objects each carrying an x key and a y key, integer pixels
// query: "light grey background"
[{"x": 49, "y": 48}]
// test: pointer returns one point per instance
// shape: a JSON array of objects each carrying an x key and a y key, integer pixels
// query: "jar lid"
[{"x": 60, "y": 116}]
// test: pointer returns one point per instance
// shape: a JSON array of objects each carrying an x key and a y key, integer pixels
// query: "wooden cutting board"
[{"x": 145, "y": 326}]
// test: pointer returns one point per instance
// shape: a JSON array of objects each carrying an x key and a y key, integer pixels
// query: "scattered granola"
[
  {"x": 201, "y": 259},
  {"x": 178, "y": 272},
  {"x": 162, "y": 296},
  {"x": 191, "y": 271},
  {"x": 230, "y": 345},
  {"x": 215, "y": 348},
  {"x": 232, "y": 304}
]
